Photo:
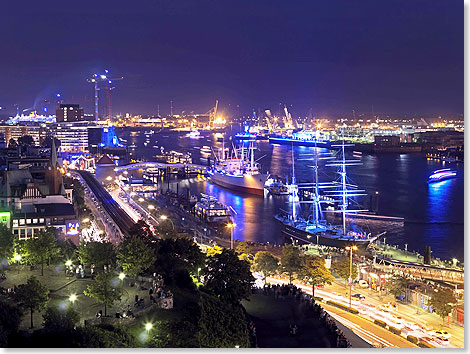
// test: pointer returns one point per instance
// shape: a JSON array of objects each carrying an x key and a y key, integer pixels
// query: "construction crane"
[{"x": 96, "y": 79}]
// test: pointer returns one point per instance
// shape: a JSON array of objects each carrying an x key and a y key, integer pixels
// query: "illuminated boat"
[
  {"x": 440, "y": 175},
  {"x": 302, "y": 138},
  {"x": 211, "y": 210},
  {"x": 195, "y": 134},
  {"x": 245, "y": 136},
  {"x": 276, "y": 186},
  {"x": 240, "y": 172}
]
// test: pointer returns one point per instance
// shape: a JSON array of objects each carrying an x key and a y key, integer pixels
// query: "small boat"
[
  {"x": 206, "y": 149},
  {"x": 276, "y": 186},
  {"x": 195, "y": 134},
  {"x": 211, "y": 210},
  {"x": 441, "y": 175}
]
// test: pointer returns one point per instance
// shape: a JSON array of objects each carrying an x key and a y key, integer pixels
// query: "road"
[
  {"x": 372, "y": 309},
  {"x": 119, "y": 216}
]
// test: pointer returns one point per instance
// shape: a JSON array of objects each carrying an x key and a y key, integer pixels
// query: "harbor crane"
[{"x": 96, "y": 79}]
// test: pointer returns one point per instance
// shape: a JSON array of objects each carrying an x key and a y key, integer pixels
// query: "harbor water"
[{"x": 396, "y": 185}]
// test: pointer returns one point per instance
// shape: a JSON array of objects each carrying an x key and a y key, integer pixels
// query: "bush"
[
  {"x": 412, "y": 339},
  {"x": 394, "y": 330},
  {"x": 422, "y": 344},
  {"x": 380, "y": 323},
  {"x": 342, "y": 307}
]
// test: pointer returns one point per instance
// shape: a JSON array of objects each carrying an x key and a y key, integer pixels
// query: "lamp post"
[
  {"x": 72, "y": 298},
  {"x": 350, "y": 249},
  {"x": 164, "y": 217},
  {"x": 121, "y": 277},
  {"x": 148, "y": 327},
  {"x": 231, "y": 226}
]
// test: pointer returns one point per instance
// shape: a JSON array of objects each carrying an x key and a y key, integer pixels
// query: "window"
[
  {"x": 35, "y": 221},
  {"x": 22, "y": 221},
  {"x": 28, "y": 221},
  {"x": 15, "y": 223},
  {"x": 29, "y": 233},
  {"x": 41, "y": 220}
]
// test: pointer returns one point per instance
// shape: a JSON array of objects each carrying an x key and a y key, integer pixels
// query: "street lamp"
[
  {"x": 231, "y": 226},
  {"x": 164, "y": 217},
  {"x": 148, "y": 327},
  {"x": 141, "y": 199},
  {"x": 350, "y": 249},
  {"x": 151, "y": 207},
  {"x": 72, "y": 298}
]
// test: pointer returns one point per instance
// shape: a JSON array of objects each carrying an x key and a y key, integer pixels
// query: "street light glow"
[
  {"x": 18, "y": 257},
  {"x": 72, "y": 298},
  {"x": 163, "y": 217},
  {"x": 68, "y": 263},
  {"x": 141, "y": 199},
  {"x": 122, "y": 276},
  {"x": 230, "y": 225},
  {"x": 151, "y": 207},
  {"x": 85, "y": 220},
  {"x": 148, "y": 326}
]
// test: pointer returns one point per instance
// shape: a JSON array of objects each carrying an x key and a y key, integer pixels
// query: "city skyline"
[{"x": 400, "y": 58}]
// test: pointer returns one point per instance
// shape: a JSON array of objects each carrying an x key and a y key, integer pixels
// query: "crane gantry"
[{"x": 96, "y": 79}]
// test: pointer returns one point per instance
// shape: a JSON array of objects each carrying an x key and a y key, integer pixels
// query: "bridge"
[
  {"x": 161, "y": 166},
  {"x": 420, "y": 270}
]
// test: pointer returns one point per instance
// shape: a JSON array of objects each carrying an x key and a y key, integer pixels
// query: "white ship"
[{"x": 240, "y": 172}]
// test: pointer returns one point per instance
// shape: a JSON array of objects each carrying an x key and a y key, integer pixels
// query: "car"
[
  {"x": 358, "y": 296},
  {"x": 440, "y": 334}
]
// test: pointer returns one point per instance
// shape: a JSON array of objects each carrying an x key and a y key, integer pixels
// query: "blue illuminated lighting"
[
  {"x": 305, "y": 142},
  {"x": 440, "y": 175},
  {"x": 58, "y": 95},
  {"x": 109, "y": 82}
]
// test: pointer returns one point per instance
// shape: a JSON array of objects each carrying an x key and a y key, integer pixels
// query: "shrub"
[
  {"x": 380, "y": 323},
  {"x": 394, "y": 330},
  {"x": 342, "y": 307}
]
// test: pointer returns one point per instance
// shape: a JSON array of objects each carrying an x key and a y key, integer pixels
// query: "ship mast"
[{"x": 316, "y": 198}]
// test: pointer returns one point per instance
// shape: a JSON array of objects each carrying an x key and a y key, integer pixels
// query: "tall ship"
[
  {"x": 315, "y": 228},
  {"x": 240, "y": 172}
]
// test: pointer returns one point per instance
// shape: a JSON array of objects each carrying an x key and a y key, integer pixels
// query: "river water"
[{"x": 395, "y": 183}]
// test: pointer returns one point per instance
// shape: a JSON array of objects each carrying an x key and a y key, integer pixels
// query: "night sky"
[{"x": 399, "y": 56}]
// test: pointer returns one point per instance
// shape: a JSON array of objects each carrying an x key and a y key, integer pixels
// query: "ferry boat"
[
  {"x": 315, "y": 229},
  {"x": 211, "y": 210},
  {"x": 195, "y": 134},
  {"x": 301, "y": 138},
  {"x": 240, "y": 172},
  {"x": 441, "y": 175},
  {"x": 205, "y": 150}
]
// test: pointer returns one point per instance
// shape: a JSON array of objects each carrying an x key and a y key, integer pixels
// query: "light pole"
[
  {"x": 72, "y": 298},
  {"x": 350, "y": 249},
  {"x": 121, "y": 277},
  {"x": 231, "y": 226},
  {"x": 164, "y": 217}
]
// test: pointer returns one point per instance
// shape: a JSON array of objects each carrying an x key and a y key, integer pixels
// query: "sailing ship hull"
[
  {"x": 252, "y": 184},
  {"x": 323, "y": 239}
]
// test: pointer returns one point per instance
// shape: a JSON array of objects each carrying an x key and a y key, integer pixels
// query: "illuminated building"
[
  {"x": 16, "y": 131},
  {"x": 69, "y": 113}
]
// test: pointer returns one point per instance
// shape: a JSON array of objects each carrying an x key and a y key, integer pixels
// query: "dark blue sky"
[{"x": 401, "y": 56}]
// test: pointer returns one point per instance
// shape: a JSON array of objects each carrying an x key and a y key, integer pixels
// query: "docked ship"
[
  {"x": 240, "y": 172},
  {"x": 212, "y": 211},
  {"x": 301, "y": 138},
  {"x": 315, "y": 229}
]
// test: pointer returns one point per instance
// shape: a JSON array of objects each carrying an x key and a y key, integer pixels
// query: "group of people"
[{"x": 290, "y": 290}]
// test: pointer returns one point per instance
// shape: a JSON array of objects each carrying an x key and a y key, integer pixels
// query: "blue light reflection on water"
[{"x": 434, "y": 212}]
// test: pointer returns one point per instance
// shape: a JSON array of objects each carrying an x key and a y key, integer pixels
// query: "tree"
[
  {"x": 26, "y": 140},
  {"x": 442, "y": 301},
  {"x": 341, "y": 268},
  {"x": 212, "y": 251},
  {"x": 48, "y": 142},
  {"x": 134, "y": 256},
  {"x": 33, "y": 295},
  {"x": 6, "y": 242},
  {"x": 42, "y": 248},
  {"x": 290, "y": 260},
  {"x": 265, "y": 263},
  {"x": 244, "y": 251},
  {"x": 68, "y": 250},
  {"x": 228, "y": 277},
  {"x": 314, "y": 272},
  {"x": 142, "y": 230},
  {"x": 59, "y": 320},
  {"x": 175, "y": 334},
  {"x": 222, "y": 325},
  {"x": 12, "y": 143},
  {"x": 97, "y": 253},
  {"x": 10, "y": 319},
  {"x": 397, "y": 285},
  {"x": 179, "y": 253},
  {"x": 103, "y": 289}
]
